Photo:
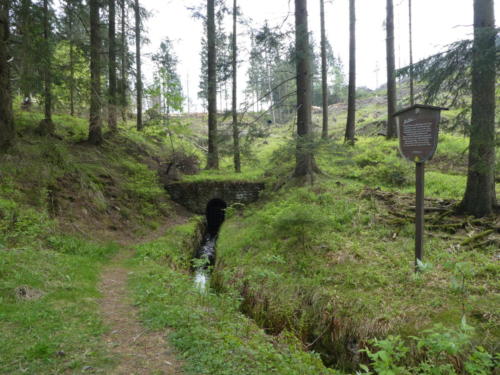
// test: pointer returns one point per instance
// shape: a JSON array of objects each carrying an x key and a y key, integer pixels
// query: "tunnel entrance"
[{"x": 215, "y": 215}]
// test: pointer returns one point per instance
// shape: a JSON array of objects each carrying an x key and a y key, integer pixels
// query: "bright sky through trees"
[{"x": 436, "y": 23}]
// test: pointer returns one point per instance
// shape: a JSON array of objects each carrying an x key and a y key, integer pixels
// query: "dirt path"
[{"x": 138, "y": 350}]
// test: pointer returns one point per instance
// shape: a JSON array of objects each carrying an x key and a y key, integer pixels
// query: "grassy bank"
[
  {"x": 209, "y": 331},
  {"x": 63, "y": 206},
  {"x": 333, "y": 262},
  {"x": 49, "y": 319}
]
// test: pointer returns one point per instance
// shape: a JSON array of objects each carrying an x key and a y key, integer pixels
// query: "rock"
[{"x": 27, "y": 293}]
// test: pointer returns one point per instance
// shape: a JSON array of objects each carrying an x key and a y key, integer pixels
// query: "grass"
[
  {"x": 208, "y": 330},
  {"x": 115, "y": 185},
  {"x": 49, "y": 320},
  {"x": 317, "y": 268},
  {"x": 52, "y": 190},
  {"x": 322, "y": 258}
]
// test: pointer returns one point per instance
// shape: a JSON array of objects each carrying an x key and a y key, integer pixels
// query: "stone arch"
[{"x": 195, "y": 195}]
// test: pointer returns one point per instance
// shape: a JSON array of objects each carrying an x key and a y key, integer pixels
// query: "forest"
[{"x": 296, "y": 215}]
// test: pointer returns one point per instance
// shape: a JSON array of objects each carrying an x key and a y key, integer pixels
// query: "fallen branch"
[{"x": 477, "y": 237}]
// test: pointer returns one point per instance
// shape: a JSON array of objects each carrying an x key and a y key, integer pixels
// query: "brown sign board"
[{"x": 418, "y": 130}]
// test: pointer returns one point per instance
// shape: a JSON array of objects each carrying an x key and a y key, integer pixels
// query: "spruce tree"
[
  {"x": 480, "y": 198},
  {"x": 6, "y": 119}
]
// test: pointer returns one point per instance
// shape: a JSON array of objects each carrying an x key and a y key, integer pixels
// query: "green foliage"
[
  {"x": 142, "y": 185},
  {"x": 387, "y": 358},
  {"x": 63, "y": 80},
  {"x": 305, "y": 257},
  {"x": 376, "y": 166},
  {"x": 72, "y": 245},
  {"x": 480, "y": 362},
  {"x": 208, "y": 330},
  {"x": 49, "y": 320},
  {"x": 302, "y": 218},
  {"x": 20, "y": 224},
  {"x": 437, "y": 348},
  {"x": 175, "y": 248}
]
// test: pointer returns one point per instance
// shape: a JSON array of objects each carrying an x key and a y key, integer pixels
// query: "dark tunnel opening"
[{"x": 215, "y": 214}]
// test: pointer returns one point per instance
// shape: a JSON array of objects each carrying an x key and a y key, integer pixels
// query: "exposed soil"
[{"x": 138, "y": 351}]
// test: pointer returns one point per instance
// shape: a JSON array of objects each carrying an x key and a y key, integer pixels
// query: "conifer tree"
[
  {"x": 139, "y": 87},
  {"x": 112, "y": 95},
  {"x": 6, "y": 119},
  {"x": 213, "y": 151},
  {"x": 304, "y": 165},
  {"x": 351, "y": 101},
  {"x": 46, "y": 126},
  {"x": 480, "y": 197},
  {"x": 95, "y": 126},
  {"x": 236, "y": 136},
  {"x": 391, "y": 72},
  {"x": 324, "y": 72}
]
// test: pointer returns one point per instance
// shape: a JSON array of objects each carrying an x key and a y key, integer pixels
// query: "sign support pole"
[
  {"x": 419, "y": 214},
  {"x": 418, "y": 131}
]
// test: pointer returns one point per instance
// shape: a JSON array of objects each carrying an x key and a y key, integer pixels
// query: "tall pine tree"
[
  {"x": 138, "y": 64},
  {"x": 480, "y": 196},
  {"x": 112, "y": 94},
  {"x": 95, "y": 125},
  {"x": 6, "y": 119},
  {"x": 304, "y": 159},
  {"x": 213, "y": 150},
  {"x": 236, "y": 135},
  {"x": 351, "y": 101},
  {"x": 46, "y": 126},
  {"x": 324, "y": 72},
  {"x": 391, "y": 71}
]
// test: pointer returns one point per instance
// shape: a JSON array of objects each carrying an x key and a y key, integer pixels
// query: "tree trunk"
[
  {"x": 7, "y": 132},
  {"x": 213, "y": 152},
  {"x": 95, "y": 126},
  {"x": 69, "y": 9},
  {"x": 304, "y": 159},
  {"x": 26, "y": 40},
  {"x": 480, "y": 197},
  {"x": 351, "y": 102},
  {"x": 46, "y": 126},
  {"x": 138, "y": 64},
  {"x": 391, "y": 72},
  {"x": 123, "y": 67},
  {"x": 112, "y": 68},
  {"x": 324, "y": 72},
  {"x": 410, "y": 28},
  {"x": 71, "y": 70},
  {"x": 236, "y": 133}
]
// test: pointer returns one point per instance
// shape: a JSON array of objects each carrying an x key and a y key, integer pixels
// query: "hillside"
[{"x": 305, "y": 279}]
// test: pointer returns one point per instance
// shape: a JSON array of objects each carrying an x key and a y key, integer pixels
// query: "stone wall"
[{"x": 195, "y": 195}]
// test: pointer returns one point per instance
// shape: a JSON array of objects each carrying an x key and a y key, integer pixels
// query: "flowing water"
[
  {"x": 206, "y": 257},
  {"x": 205, "y": 254}
]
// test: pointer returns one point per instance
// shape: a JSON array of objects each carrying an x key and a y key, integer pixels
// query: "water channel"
[{"x": 206, "y": 252}]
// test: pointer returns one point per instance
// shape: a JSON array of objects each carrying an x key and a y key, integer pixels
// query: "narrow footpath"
[{"x": 137, "y": 350}]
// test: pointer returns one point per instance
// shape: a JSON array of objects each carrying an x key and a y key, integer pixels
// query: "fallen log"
[{"x": 477, "y": 237}]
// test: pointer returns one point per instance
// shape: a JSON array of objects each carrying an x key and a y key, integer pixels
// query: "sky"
[{"x": 436, "y": 23}]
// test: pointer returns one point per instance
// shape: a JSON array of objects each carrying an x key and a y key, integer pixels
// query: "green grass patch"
[
  {"x": 49, "y": 320},
  {"x": 318, "y": 259},
  {"x": 209, "y": 331}
]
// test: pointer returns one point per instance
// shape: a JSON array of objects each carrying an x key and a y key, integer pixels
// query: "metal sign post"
[{"x": 418, "y": 130}]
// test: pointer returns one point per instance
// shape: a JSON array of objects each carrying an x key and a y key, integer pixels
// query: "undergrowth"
[
  {"x": 208, "y": 329},
  {"x": 58, "y": 198},
  {"x": 322, "y": 261}
]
